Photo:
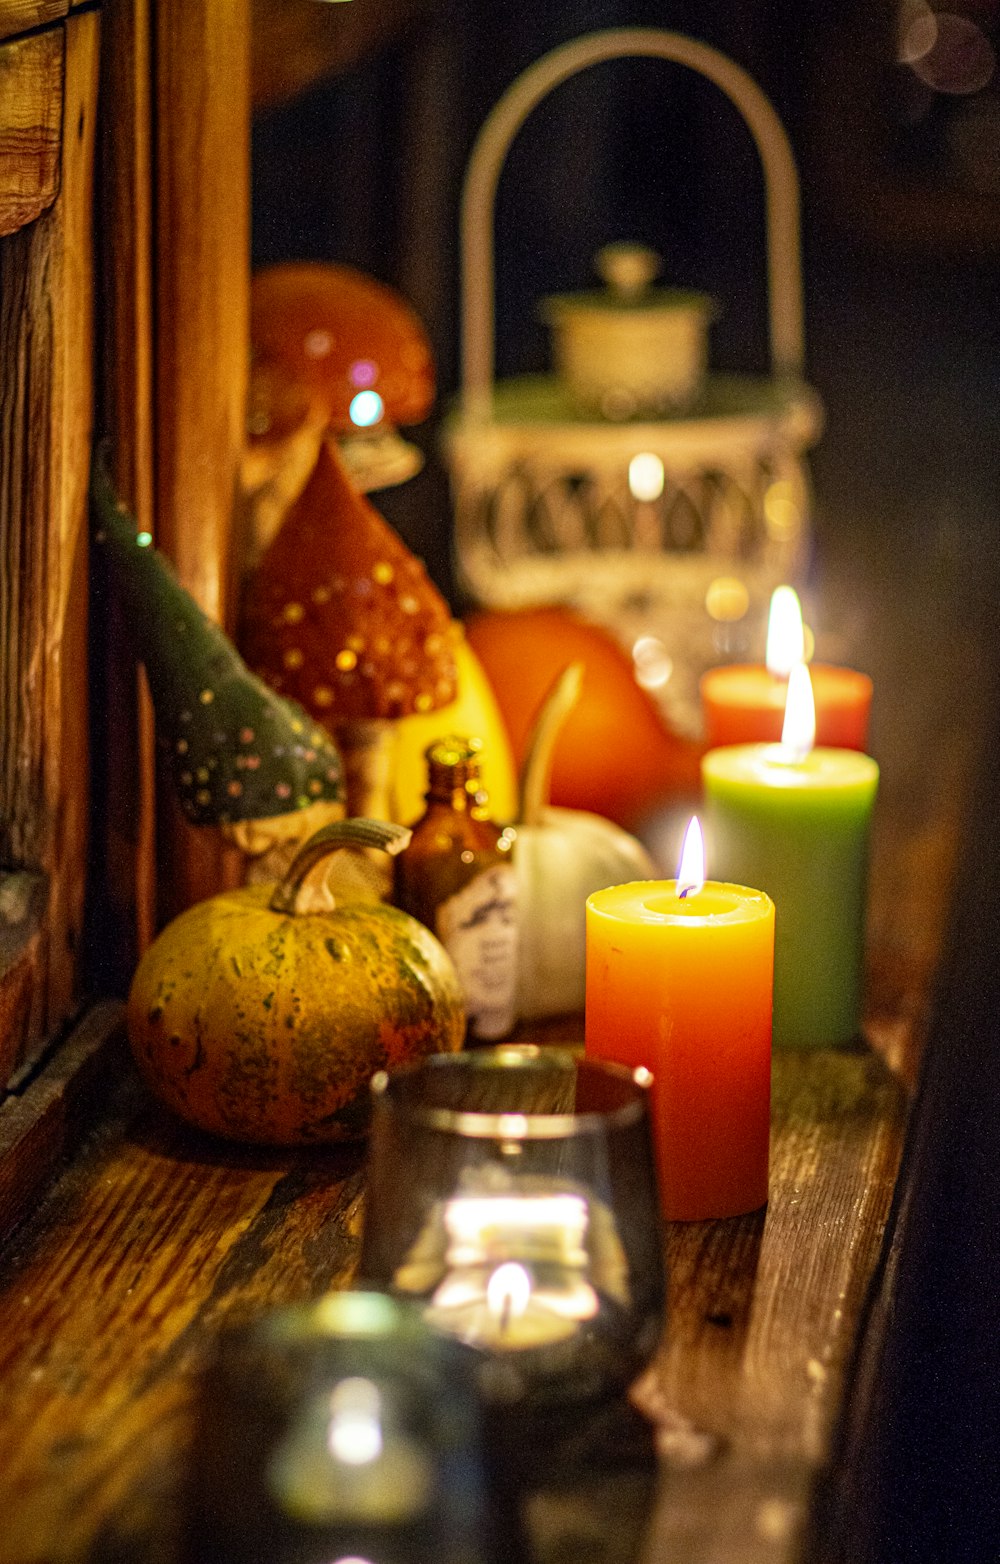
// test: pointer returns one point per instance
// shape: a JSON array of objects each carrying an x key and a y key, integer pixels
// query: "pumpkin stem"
[
  {"x": 329, "y": 839},
  {"x": 548, "y": 724}
]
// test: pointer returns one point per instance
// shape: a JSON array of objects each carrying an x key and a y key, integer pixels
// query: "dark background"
[{"x": 901, "y": 213}]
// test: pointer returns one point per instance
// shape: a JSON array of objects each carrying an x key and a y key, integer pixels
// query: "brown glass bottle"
[{"x": 456, "y": 876}]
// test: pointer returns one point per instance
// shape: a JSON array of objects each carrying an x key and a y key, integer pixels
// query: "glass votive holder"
[
  {"x": 333, "y": 1431},
  {"x": 512, "y": 1195}
]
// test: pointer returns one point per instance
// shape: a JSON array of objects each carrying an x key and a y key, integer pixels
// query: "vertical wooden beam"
[
  {"x": 202, "y": 229},
  {"x": 71, "y": 296},
  {"x": 127, "y": 773},
  {"x": 46, "y": 286}
]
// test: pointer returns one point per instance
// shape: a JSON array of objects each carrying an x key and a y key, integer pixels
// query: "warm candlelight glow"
[
  {"x": 691, "y": 873},
  {"x": 552, "y": 1226},
  {"x": 355, "y": 1432},
  {"x": 785, "y": 636},
  {"x": 645, "y": 476},
  {"x": 508, "y": 1291},
  {"x": 683, "y": 988},
  {"x": 798, "y": 734}
]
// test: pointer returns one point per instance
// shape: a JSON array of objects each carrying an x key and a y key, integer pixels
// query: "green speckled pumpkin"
[{"x": 263, "y": 1023}]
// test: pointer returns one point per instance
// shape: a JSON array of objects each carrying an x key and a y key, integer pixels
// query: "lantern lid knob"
[{"x": 627, "y": 268}]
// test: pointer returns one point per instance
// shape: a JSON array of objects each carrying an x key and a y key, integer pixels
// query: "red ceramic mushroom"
[{"x": 332, "y": 349}]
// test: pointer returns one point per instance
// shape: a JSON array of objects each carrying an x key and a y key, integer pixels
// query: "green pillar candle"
[{"x": 797, "y": 828}]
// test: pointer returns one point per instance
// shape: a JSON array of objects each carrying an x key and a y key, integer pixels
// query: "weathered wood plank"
[
  {"x": 762, "y": 1316},
  {"x": 21, "y": 16},
  {"x": 45, "y": 415},
  {"x": 183, "y": 1234},
  {"x": 39, "y": 1129},
  {"x": 764, "y": 1309},
  {"x": 107, "y": 1330},
  {"x": 23, "y": 899},
  {"x": 202, "y": 238},
  {"x": 31, "y": 106}
]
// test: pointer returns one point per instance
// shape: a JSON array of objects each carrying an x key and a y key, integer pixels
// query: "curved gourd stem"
[
  {"x": 537, "y": 768},
  {"x": 338, "y": 834}
]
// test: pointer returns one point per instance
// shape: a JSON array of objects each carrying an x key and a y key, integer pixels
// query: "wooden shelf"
[{"x": 152, "y": 1238}]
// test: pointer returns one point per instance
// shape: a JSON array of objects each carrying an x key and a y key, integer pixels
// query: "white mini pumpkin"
[{"x": 561, "y": 856}]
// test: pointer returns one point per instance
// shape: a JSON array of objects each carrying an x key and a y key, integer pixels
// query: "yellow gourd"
[
  {"x": 258, "y": 1021},
  {"x": 474, "y": 713}
]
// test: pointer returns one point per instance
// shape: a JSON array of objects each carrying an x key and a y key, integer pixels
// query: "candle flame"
[
  {"x": 785, "y": 635},
  {"x": 691, "y": 872},
  {"x": 798, "y": 733},
  {"x": 508, "y": 1291}
]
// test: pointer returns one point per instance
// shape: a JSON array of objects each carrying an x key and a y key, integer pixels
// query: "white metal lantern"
[{"x": 666, "y": 526}]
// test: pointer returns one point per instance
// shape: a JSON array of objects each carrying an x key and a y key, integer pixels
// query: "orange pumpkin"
[{"x": 616, "y": 756}]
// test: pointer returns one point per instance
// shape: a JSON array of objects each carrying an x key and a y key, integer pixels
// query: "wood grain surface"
[
  {"x": 153, "y": 1238},
  {"x": 22, "y": 16},
  {"x": 31, "y": 106},
  {"x": 181, "y": 1235},
  {"x": 124, "y": 774},
  {"x": 46, "y": 309},
  {"x": 42, "y": 1125},
  {"x": 101, "y": 1337},
  {"x": 202, "y": 343}
]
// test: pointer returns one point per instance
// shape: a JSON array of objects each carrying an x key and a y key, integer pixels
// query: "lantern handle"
[{"x": 781, "y": 191}]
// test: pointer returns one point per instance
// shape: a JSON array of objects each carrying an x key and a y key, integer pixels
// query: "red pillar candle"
[
  {"x": 679, "y": 977},
  {"x": 744, "y": 703}
]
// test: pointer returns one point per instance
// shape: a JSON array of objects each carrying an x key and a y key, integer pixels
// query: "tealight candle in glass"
[
  {"x": 341, "y": 1429},
  {"x": 512, "y": 1193}
]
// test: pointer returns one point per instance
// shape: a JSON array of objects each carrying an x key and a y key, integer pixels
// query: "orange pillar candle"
[
  {"x": 744, "y": 703},
  {"x": 679, "y": 979}
]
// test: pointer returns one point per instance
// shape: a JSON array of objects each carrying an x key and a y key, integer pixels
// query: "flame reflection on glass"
[
  {"x": 546, "y": 1226},
  {"x": 355, "y": 1432},
  {"x": 508, "y": 1290}
]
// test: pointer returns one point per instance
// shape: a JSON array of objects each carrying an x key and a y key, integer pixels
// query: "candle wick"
[
  {"x": 685, "y": 892},
  {"x": 505, "y": 1312}
]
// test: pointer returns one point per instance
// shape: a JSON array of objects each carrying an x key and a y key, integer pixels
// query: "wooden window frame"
[{"x": 161, "y": 266}]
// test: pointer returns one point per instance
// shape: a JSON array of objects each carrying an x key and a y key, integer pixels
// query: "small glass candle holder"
[
  {"x": 512, "y": 1195},
  {"x": 338, "y": 1430}
]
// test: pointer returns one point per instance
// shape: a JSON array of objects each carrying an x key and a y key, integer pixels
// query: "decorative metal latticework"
[{"x": 685, "y": 566}]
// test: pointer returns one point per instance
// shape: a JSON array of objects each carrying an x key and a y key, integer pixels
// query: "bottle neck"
[{"x": 458, "y": 787}]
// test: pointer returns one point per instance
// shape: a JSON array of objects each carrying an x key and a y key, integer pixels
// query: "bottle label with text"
[{"x": 478, "y": 928}]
